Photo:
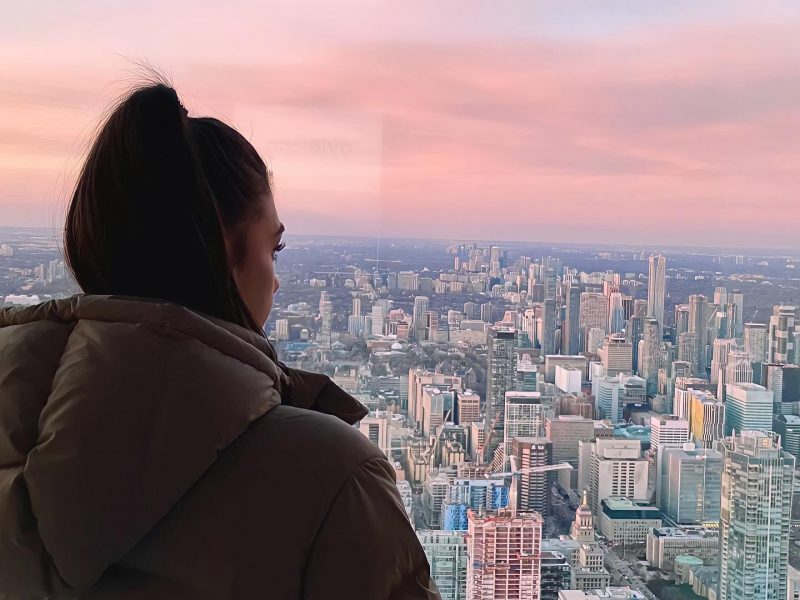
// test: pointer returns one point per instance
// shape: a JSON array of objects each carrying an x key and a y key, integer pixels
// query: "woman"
[{"x": 151, "y": 446}]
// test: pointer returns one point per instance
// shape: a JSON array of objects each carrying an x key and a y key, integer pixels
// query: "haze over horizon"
[{"x": 652, "y": 124}]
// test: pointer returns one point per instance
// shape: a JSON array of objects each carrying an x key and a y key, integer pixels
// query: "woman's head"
[{"x": 178, "y": 208}]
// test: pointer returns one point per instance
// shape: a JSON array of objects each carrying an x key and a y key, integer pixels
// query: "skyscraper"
[
  {"x": 524, "y": 417},
  {"x": 504, "y": 556},
  {"x": 634, "y": 333},
  {"x": 501, "y": 371},
  {"x": 755, "y": 341},
  {"x": 571, "y": 333},
  {"x": 446, "y": 552},
  {"x": 656, "y": 288},
  {"x": 608, "y": 397},
  {"x": 681, "y": 320},
  {"x": 379, "y": 313},
  {"x": 736, "y": 297},
  {"x": 692, "y": 492},
  {"x": 698, "y": 325},
  {"x": 565, "y": 431},
  {"x": 706, "y": 418},
  {"x": 420, "y": 318},
  {"x": 550, "y": 283},
  {"x": 593, "y": 312},
  {"x": 616, "y": 355},
  {"x": 747, "y": 406},
  {"x": 650, "y": 356},
  {"x": 533, "y": 492},
  {"x": 616, "y": 313},
  {"x": 326, "y": 318},
  {"x": 719, "y": 358},
  {"x": 721, "y": 297},
  {"x": 781, "y": 334},
  {"x": 755, "y": 517},
  {"x": 666, "y": 431},
  {"x": 784, "y": 383},
  {"x": 616, "y": 469},
  {"x": 548, "y": 341}
]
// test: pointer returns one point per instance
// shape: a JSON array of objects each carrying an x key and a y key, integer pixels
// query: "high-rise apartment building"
[
  {"x": 616, "y": 312},
  {"x": 736, "y": 298},
  {"x": 549, "y": 313},
  {"x": 784, "y": 383},
  {"x": 681, "y": 320},
  {"x": 698, "y": 325},
  {"x": 682, "y": 400},
  {"x": 571, "y": 326},
  {"x": 706, "y": 418},
  {"x": 446, "y": 552},
  {"x": 656, "y": 289},
  {"x": 420, "y": 318},
  {"x": 593, "y": 312},
  {"x": 524, "y": 416},
  {"x": 408, "y": 281},
  {"x": 755, "y": 517},
  {"x": 533, "y": 489},
  {"x": 721, "y": 351},
  {"x": 721, "y": 297},
  {"x": 651, "y": 358},
  {"x": 738, "y": 369},
  {"x": 755, "y": 341},
  {"x": 501, "y": 374},
  {"x": 504, "y": 551},
  {"x": 781, "y": 334},
  {"x": 633, "y": 334},
  {"x": 326, "y": 319}
]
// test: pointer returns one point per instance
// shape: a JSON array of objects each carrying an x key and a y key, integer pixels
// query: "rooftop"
[{"x": 685, "y": 532}]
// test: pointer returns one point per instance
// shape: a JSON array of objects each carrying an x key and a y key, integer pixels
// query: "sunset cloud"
[{"x": 678, "y": 127}]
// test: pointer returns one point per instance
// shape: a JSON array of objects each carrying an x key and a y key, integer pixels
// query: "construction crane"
[{"x": 517, "y": 472}]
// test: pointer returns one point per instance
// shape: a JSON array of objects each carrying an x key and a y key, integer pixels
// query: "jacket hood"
[{"x": 111, "y": 408}]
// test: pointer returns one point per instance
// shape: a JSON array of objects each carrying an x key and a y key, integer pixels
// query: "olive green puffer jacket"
[{"x": 147, "y": 451}]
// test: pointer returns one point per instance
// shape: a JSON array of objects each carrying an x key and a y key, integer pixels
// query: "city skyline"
[
  {"x": 654, "y": 246},
  {"x": 576, "y": 123},
  {"x": 532, "y": 462}
]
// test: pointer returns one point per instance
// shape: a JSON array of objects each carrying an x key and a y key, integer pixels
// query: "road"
[{"x": 622, "y": 573}]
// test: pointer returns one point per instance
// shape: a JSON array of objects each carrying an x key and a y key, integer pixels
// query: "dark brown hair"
[{"x": 152, "y": 203}]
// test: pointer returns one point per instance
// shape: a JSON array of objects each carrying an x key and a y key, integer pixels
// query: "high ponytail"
[{"x": 154, "y": 200}]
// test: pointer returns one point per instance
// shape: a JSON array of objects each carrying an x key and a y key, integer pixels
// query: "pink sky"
[{"x": 654, "y": 123}]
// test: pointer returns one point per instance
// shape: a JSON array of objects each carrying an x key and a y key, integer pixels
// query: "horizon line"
[{"x": 467, "y": 240}]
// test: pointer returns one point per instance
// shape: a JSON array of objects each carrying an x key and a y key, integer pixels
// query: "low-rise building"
[
  {"x": 665, "y": 543},
  {"x": 604, "y": 593},
  {"x": 627, "y": 521}
]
